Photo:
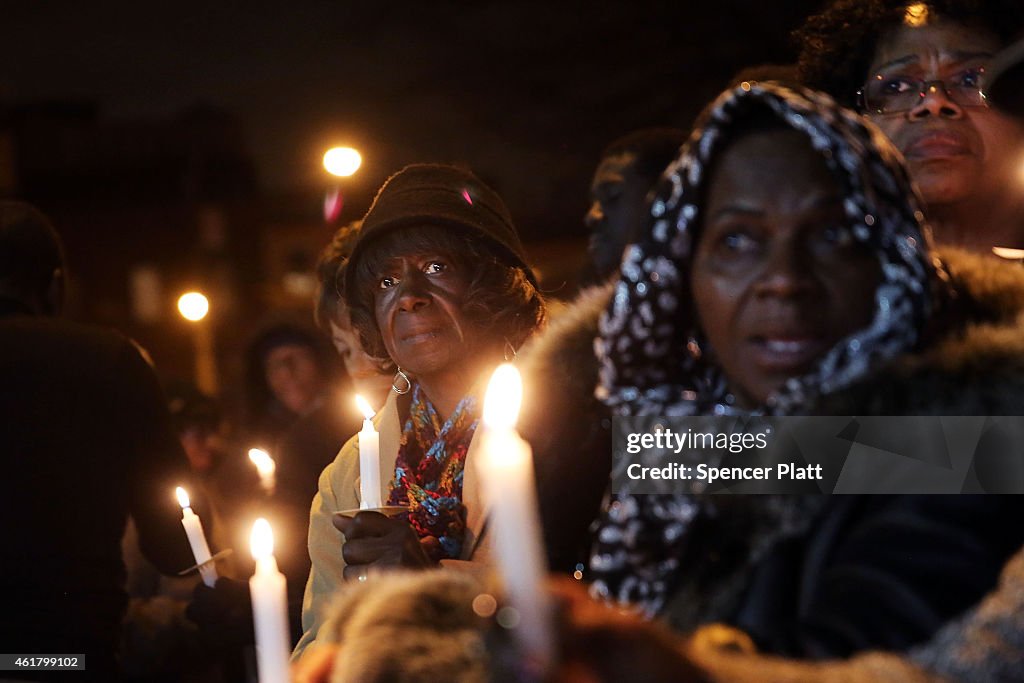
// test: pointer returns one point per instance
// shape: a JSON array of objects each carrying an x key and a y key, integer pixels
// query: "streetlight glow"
[
  {"x": 193, "y": 306},
  {"x": 342, "y": 161}
]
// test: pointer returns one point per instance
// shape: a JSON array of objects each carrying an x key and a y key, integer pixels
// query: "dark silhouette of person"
[
  {"x": 628, "y": 169},
  {"x": 85, "y": 441}
]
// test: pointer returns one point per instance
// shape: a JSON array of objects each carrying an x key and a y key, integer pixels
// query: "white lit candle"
[
  {"x": 269, "y": 608},
  {"x": 514, "y": 518},
  {"x": 369, "y": 459},
  {"x": 196, "y": 538},
  {"x": 265, "y": 467}
]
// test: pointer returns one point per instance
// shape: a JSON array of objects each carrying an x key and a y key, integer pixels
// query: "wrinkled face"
[
  {"x": 293, "y": 376},
  {"x": 955, "y": 152},
  {"x": 418, "y": 301},
  {"x": 777, "y": 277},
  {"x": 617, "y": 196}
]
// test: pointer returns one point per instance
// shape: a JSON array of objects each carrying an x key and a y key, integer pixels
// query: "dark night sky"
[{"x": 527, "y": 93}]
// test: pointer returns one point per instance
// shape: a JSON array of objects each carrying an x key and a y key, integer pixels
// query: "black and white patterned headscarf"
[{"x": 648, "y": 343}]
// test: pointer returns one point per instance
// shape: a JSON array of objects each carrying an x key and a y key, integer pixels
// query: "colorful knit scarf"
[{"x": 428, "y": 473}]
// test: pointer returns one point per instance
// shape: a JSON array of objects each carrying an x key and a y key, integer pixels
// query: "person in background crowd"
[
  {"x": 783, "y": 270},
  {"x": 918, "y": 70},
  {"x": 302, "y": 453},
  {"x": 199, "y": 422},
  {"x": 332, "y": 316},
  {"x": 438, "y": 285},
  {"x": 159, "y": 644},
  {"x": 288, "y": 374},
  {"x": 628, "y": 169},
  {"x": 314, "y": 439},
  {"x": 87, "y": 441}
]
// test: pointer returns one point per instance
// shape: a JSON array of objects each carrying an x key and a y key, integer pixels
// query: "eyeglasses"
[{"x": 896, "y": 94}]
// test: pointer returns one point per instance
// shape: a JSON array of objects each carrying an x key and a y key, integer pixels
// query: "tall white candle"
[
  {"x": 369, "y": 459},
  {"x": 266, "y": 468},
  {"x": 514, "y": 518},
  {"x": 196, "y": 538},
  {"x": 269, "y": 608}
]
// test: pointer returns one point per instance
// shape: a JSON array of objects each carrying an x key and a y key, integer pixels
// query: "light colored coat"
[{"x": 338, "y": 490}]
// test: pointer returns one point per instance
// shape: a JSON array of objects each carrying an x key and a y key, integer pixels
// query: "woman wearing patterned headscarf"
[{"x": 785, "y": 270}]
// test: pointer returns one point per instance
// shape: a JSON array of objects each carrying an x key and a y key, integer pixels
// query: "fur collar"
[{"x": 987, "y": 333}]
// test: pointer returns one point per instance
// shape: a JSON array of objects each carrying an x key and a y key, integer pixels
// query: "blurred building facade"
[{"x": 147, "y": 210}]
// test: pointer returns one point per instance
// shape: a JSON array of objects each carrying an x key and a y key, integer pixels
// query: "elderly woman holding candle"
[
  {"x": 438, "y": 286},
  {"x": 785, "y": 270}
]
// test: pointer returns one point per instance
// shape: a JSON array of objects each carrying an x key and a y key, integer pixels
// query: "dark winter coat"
[
  {"x": 873, "y": 571},
  {"x": 85, "y": 441}
]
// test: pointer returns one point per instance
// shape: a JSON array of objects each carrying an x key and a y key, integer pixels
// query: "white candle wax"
[
  {"x": 369, "y": 460},
  {"x": 265, "y": 467},
  {"x": 514, "y": 519},
  {"x": 269, "y": 608},
  {"x": 196, "y": 539}
]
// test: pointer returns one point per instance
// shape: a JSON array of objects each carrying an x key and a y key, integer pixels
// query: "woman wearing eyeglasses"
[{"x": 917, "y": 69}]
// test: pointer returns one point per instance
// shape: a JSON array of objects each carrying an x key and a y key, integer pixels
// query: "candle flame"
[
  {"x": 183, "y": 500},
  {"x": 364, "y": 407},
  {"x": 261, "y": 542},
  {"x": 916, "y": 15},
  {"x": 503, "y": 398},
  {"x": 264, "y": 463}
]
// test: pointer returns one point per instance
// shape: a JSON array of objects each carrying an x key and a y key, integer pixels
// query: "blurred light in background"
[
  {"x": 342, "y": 161},
  {"x": 193, "y": 306},
  {"x": 147, "y": 295}
]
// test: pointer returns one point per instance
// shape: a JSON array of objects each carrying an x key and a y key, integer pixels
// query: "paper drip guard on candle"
[
  {"x": 266, "y": 468},
  {"x": 197, "y": 540},
  {"x": 212, "y": 561},
  {"x": 386, "y": 510},
  {"x": 514, "y": 519},
  {"x": 268, "y": 589}
]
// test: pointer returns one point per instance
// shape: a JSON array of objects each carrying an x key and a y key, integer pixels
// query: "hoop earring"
[
  {"x": 693, "y": 347},
  {"x": 401, "y": 377},
  {"x": 509, "y": 352}
]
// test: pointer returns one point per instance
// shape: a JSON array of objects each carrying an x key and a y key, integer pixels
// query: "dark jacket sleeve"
[
  {"x": 884, "y": 572},
  {"x": 572, "y": 451},
  {"x": 155, "y": 464},
  {"x": 569, "y": 431}
]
